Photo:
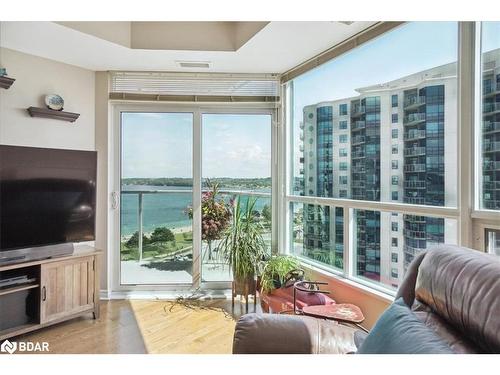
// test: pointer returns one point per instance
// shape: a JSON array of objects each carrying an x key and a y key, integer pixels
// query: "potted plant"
[
  {"x": 274, "y": 271},
  {"x": 242, "y": 246}
]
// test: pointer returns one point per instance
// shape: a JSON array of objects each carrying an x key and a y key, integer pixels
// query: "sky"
[{"x": 160, "y": 145}]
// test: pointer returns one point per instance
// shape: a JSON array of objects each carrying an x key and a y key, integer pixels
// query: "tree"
[
  {"x": 133, "y": 241},
  {"x": 266, "y": 213},
  {"x": 162, "y": 234}
]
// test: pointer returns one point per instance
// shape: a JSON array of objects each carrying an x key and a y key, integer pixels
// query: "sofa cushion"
[
  {"x": 462, "y": 286},
  {"x": 399, "y": 331}
]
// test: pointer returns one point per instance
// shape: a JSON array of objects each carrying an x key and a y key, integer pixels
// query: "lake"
[{"x": 162, "y": 209}]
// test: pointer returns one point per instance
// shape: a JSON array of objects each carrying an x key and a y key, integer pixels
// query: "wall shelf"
[
  {"x": 50, "y": 113},
  {"x": 6, "y": 82}
]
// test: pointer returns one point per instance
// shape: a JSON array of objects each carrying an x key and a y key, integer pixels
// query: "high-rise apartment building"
[{"x": 394, "y": 142}]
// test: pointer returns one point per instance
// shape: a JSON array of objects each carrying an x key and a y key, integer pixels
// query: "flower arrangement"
[{"x": 215, "y": 215}]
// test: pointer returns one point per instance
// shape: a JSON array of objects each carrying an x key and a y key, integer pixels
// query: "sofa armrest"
[{"x": 289, "y": 334}]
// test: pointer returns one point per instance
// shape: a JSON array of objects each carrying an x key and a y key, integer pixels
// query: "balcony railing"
[
  {"x": 142, "y": 193},
  {"x": 491, "y": 127},
  {"x": 491, "y": 107},
  {"x": 358, "y": 125},
  {"x": 414, "y": 200},
  {"x": 358, "y": 154},
  {"x": 358, "y": 184},
  {"x": 359, "y": 139},
  {"x": 413, "y": 135},
  {"x": 415, "y": 151},
  {"x": 415, "y": 168},
  {"x": 491, "y": 89},
  {"x": 358, "y": 169},
  {"x": 414, "y": 118},
  {"x": 491, "y": 185},
  {"x": 491, "y": 165},
  {"x": 491, "y": 146},
  {"x": 415, "y": 184},
  {"x": 414, "y": 101},
  {"x": 417, "y": 234},
  {"x": 358, "y": 110}
]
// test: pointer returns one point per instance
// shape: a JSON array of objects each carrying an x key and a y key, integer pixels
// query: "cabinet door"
[{"x": 66, "y": 288}]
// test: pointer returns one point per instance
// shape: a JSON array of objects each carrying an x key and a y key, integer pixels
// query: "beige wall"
[
  {"x": 36, "y": 77},
  {"x": 342, "y": 291}
]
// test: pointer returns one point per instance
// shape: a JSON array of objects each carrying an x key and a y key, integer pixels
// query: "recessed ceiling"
[{"x": 274, "y": 48}]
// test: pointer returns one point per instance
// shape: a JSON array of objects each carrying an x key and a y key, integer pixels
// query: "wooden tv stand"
[{"x": 61, "y": 288}]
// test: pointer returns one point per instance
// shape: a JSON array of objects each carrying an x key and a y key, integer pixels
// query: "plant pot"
[{"x": 244, "y": 286}]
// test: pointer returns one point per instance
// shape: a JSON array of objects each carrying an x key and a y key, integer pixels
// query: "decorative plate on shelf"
[{"x": 54, "y": 101}]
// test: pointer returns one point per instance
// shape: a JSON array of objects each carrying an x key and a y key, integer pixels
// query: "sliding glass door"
[
  {"x": 181, "y": 175},
  {"x": 156, "y": 232}
]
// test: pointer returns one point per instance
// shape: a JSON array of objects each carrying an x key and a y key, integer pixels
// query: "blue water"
[{"x": 160, "y": 209}]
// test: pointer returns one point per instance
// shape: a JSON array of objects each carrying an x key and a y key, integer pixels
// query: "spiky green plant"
[
  {"x": 275, "y": 270},
  {"x": 242, "y": 245}
]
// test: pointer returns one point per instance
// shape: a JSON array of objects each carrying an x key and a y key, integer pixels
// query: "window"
[
  {"x": 342, "y": 152},
  {"x": 394, "y": 257},
  {"x": 394, "y": 100},
  {"x": 343, "y": 180},
  {"x": 489, "y": 130},
  {"x": 342, "y": 125},
  {"x": 394, "y": 242},
  {"x": 342, "y": 109},
  {"x": 424, "y": 171},
  {"x": 394, "y": 273},
  {"x": 394, "y": 226}
]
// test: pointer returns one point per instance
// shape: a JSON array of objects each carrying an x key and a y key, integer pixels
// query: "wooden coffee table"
[{"x": 341, "y": 312}]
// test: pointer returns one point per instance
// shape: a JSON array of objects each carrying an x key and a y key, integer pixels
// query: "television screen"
[{"x": 47, "y": 196}]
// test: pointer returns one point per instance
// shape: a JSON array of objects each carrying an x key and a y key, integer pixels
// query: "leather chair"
[{"x": 453, "y": 290}]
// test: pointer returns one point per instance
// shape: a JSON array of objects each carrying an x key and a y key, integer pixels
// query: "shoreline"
[{"x": 176, "y": 230}]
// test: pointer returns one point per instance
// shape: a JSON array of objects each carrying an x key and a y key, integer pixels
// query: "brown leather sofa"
[{"x": 453, "y": 290}]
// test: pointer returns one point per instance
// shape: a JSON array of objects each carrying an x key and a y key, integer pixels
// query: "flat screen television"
[{"x": 47, "y": 201}]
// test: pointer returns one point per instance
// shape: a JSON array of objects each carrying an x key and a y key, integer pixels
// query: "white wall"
[{"x": 36, "y": 77}]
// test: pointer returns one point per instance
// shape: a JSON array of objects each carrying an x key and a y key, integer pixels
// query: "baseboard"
[{"x": 163, "y": 295}]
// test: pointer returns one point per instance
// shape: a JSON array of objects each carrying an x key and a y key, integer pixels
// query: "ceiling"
[{"x": 260, "y": 47}]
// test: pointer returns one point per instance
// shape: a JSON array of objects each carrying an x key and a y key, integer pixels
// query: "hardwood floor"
[{"x": 138, "y": 326}]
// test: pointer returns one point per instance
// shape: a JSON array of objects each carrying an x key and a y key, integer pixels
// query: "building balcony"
[
  {"x": 358, "y": 184},
  {"x": 357, "y": 140},
  {"x": 415, "y": 184},
  {"x": 415, "y": 151},
  {"x": 491, "y": 127},
  {"x": 491, "y": 185},
  {"x": 358, "y": 125},
  {"x": 358, "y": 110},
  {"x": 491, "y": 165},
  {"x": 491, "y": 89},
  {"x": 358, "y": 169},
  {"x": 414, "y": 118},
  {"x": 490, "y": 108},
  {"x": 414, "y": 135},
  {"x": 326, "y": 145},
  {"x": 415, "y": 168},
  {"x": 414, "y": 251},
  {"x": 414, "y": 102},
  {"x": 414, "y": 200},
  {"x": 491, "y": 147},
  {"x": 358, "y": 154},
  {"x": 417, "y": 219},
  {"x": 325, "y": 131},
  {"x": 417, "y": 234}
]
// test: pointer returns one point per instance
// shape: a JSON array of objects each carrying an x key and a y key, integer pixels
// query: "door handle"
[
  {"x": 44, "y": 294},
  {"x": 114, "y": 200}
]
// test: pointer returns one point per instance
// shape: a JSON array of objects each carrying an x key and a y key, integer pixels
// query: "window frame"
[{"x": 464, "y": 33}]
